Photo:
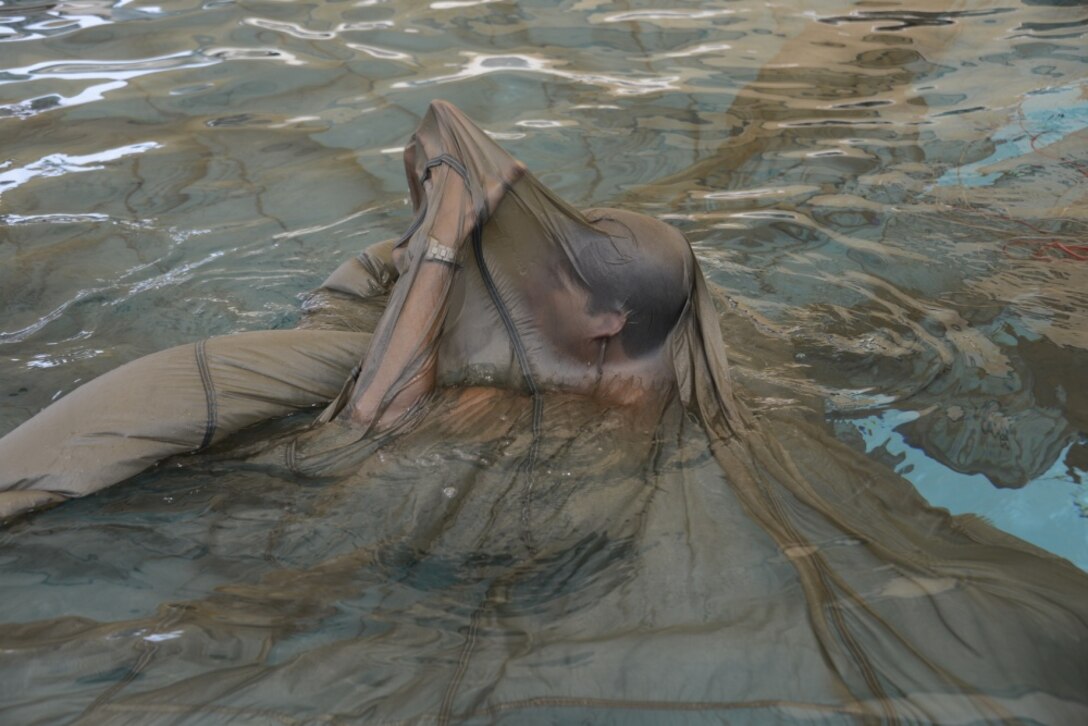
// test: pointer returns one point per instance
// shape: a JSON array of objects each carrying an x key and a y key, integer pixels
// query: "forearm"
[
  {"x": 416, "y": 330},
  {"x": 406, "y": 370}
]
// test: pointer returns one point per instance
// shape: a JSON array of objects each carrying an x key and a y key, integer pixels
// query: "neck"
[{"x": 643, "y": 384}]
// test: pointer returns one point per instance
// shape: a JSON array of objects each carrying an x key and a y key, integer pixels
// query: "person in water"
[
  {"x": 544, "y": 499},
  {"x": 497, "y": 282}
]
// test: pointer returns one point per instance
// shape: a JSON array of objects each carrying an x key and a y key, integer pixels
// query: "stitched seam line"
[{"x": 209, "y": 393}]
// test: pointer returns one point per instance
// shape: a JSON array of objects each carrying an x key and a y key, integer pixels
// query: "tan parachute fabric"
[
  {"x": 540, "y": 501},
  {"x": 191, "y": 396}
]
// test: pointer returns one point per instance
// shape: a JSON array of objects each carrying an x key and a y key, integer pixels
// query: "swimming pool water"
[{"x": 894, "y": 197}]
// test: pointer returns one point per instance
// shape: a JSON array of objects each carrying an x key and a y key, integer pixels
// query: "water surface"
[{"x": 892, "y": 194}]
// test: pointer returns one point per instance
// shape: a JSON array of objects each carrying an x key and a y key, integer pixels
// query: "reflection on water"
[{"x": 893, "y": 197}]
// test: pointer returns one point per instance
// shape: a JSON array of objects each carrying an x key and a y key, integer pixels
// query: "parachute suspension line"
[{"x": 527, "y": 375}]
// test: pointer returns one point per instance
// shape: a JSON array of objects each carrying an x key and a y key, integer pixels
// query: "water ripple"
[
  {"x": 254, "y": 54},
  {"x": 381, "y": 53},
  {"x": 44, "y": 21},
  {"x": 459, "y": 4},
  {"x": 906, "y": 19},
  {"x": 662, "y": 15},
  {"x": 292, "y": 29},
  {"x": 60, "y": 164},
  {"x": 479, "y": 64},
  {"x": 116, "y": 70}
]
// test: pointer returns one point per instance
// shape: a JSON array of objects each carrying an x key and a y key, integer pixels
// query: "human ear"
[{"x": 606, "y": 324}]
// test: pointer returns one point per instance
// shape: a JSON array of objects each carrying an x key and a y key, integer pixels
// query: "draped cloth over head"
[
  {"x": 517, "y": 532},
  {"x": 513, "y": 230},
  {"x": 521, "y": 247}
]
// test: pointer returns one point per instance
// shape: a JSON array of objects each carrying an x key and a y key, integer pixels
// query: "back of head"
[{"x": 644, "y": 270}]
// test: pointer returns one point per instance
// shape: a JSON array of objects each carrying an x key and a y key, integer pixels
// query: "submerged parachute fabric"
[{"x": 542, "y": 501}]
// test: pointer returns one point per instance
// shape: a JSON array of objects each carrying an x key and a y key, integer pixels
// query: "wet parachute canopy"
[
  {"x": 539, "y": 499},
  {"x": 546, "y": 298}
]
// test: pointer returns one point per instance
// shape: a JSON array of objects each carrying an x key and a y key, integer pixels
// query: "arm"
[
  {"x": 447, "y": 223},
  {"x": 457, "y": 176},
  {"x": 353, "y": 297}
]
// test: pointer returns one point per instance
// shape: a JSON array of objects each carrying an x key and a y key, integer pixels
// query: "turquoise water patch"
[
  {"x": 1046, "y": 117},
  {"x": 1047, "y": 511}
]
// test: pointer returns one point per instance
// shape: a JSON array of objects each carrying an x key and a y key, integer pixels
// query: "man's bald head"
[{"x": 644, "y": 270}]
